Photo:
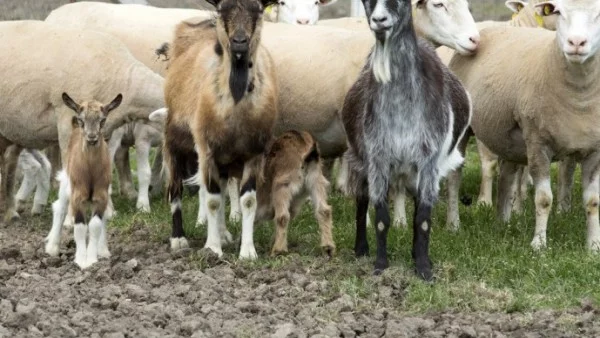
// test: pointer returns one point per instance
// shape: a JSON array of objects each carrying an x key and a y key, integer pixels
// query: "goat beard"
[{"x": 238, "y": 78}]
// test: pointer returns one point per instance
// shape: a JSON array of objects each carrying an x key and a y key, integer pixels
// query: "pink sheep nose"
[
  {"x": 302, "y": 21},
  {"x": 577, "y": 41},
  {"x": 475, "y": 40}
]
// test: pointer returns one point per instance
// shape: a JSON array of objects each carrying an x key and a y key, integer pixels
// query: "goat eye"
[
  {"x": 281, "y": 3},
  {"x": 316, "y": 3},
  {"x": 438, "y": 5}
]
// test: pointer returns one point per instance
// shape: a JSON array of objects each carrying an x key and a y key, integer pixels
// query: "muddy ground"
[{"x": 145, "y": 291}]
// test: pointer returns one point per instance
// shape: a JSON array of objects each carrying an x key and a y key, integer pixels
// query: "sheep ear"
[
  {"x": 70, "y": 103},
  {"x": 159, "y": 115},
  {"x": 515, "y": 5},
  {"x": 546, "y": 8},
  {"x": 326, "y": 2},
  {"x": 113, "y": 105}
]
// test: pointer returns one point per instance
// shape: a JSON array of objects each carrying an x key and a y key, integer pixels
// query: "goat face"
[
  {"x": 91, "y": 116},
  {"x": 383, "y": 15},
  {"x": 577, "y": 26}
]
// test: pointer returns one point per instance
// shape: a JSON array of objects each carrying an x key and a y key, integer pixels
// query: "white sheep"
[
  {"x": 297, "y": 12},
  {"x": 36, "y": 170},
  {"x": 540, "y": 110},
  {"x": 39, "y": 59}
]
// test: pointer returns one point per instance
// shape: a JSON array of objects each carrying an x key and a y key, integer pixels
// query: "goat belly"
[{"x": 238, "y": 148}]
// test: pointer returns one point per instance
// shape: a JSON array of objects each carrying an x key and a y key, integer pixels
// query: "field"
[{"x": 489, "y": 283}]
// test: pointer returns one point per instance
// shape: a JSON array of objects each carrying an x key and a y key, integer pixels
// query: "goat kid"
[
  {"x": 87, "y": 179},
  {"x": 405, "y": 118},
  {"x": 220, "y": 88}
]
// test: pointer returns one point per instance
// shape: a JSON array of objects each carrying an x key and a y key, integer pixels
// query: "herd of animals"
[{"x": 261, "y": 109}]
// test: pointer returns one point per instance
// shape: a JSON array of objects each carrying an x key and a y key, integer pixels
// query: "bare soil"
[{"x": 143, "y": 290}]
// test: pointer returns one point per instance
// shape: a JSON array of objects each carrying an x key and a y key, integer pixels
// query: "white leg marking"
[
  {"x": 591, "y": 200},
  {"x": 202, "y": 214},
  {"x": 400, "y": 206},
  {"x": 248, "y": 202},
  {"x": 59, "y": 208},
  {"x": 103, "y": 242},
  {"x": 543, "y": 204},
  {"x": 181, "y": 242},
  {"x": 79, "y": 233},
  {"x": 233, "y": 187},
  {"x": 95, "y": 229},
  {"x": 214, "y": 206},
  {"x": 342, "y": 176}
]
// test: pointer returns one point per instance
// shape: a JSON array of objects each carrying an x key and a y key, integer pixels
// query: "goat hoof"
[
  {"x": 20, "y": 206},
  {"x": 380, "y": 265},
  {"x": 216, "y": 250},
  {"x": 279, "y": 252},
  {"x": 12, "y": 216},
  {"x": 179, "y": 243},
  {"x": 37, "y": 209},
  {"x": 52, "y": 249},
  {"x": 329, "y": 250},
  {"x": 361, "y": 251},
  {"x": 248, "y": 253},
  {"x": 423, "y": 269},
  {"x": 103, "y": 253}
]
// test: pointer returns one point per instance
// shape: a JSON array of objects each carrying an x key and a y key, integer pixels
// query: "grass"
[{"x": 485, "y": 266}]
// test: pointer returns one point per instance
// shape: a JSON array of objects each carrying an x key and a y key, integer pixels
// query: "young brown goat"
[
  {"x": 291, "y": 172},
  {"x": 221, "y": 89},
  {"x": 87, "y": 179}
]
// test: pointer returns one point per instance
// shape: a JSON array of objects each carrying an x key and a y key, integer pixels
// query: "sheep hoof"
[
  {"x": 103, "y": 253},
  {"x": 400, "y": 223},
  {"x": 218, "y": 251},
  {"x": 81, "y": 262},
  {"x": 226, "y": 238},
  {"x": 453, "y": 226},
  {"x": 538, "y": 242},
  {"x": 248, "y": 252},
  {"x": 37, "y": 209},
  {"x": 594, "y": 246},
  {"x": 235, "y": 217},
  {"x": 143, "y": 207},
  {"x": 179, "y": 243},
  {"x": 19, "y": 205},
  {"x": 11, "y": 216}
]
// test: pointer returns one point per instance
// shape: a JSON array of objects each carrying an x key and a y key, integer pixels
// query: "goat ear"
[
  {"x": 515, "y": 5},
  {"x": 267, "y": 3},
  {"x": 113, "y": 105},
  {"x": 327, "y": 2},
  {"x": 546, "y": 8},
  {"x": 70, "y": 103},
  {"x": 419, "y": 3},
  {"x": 214, "y": 2}
]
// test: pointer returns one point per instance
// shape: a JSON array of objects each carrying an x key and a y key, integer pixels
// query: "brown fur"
[
  {"x": 89, "y": 166},
  {"x": 291, "y": 172}
]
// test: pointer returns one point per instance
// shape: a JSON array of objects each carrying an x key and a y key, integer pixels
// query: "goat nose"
[
  {"x": 475, "y": 40},
  {"x": 302, "y": 21},
  {"x": 379, "y": 19},
  {"x": 577, "y": 41},
  {"x": 240, "y": 39}
]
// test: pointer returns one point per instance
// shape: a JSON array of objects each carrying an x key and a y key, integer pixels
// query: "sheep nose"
[
  {"x": 379, "y": 19},
  {"x": 240, "y": 39},
  {"x": 577, "y": 41},
  {"x": 475, "y": 40},
  {"x": 302, "y": 21}
]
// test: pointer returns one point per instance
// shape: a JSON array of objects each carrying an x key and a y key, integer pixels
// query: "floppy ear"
[
  {"x": 515, "y": 5},
  {"x": 546, "y": 8},
  {"x": 113, "y": 105},
  {"x": 70, "y": 103}
]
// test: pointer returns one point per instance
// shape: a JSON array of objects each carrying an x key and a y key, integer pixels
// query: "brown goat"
[
  {"x": 220, "y": 88},
  {"x": 291, "y": 172},
  {"x": 87, "y": 179}
]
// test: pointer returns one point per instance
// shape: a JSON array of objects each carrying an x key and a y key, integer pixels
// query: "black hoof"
[
  {"x": 466, "y": 200},
  {"x": 424, "y": 272},
  {"x": 380, "y": 266},
  {"x": 361, "y": 251}
]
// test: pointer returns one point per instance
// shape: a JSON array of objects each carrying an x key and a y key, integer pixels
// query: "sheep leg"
[
  {"x": 399, "y": 198},
  {"x": 53, "y": 155},
  {"x": 342, "y": 175},
  {"x": 30, "y": 168},
  {"x": 59, "y": 207},
  {"x": 43, "y": 178},
  {"x": 126, "y": 187},
  {"x": 318, "y": 186},
  {"x": 539, "y": 166},
  {"x": 566, "y": 175},
  {"x": 157, "y": 180},
  {"x": 248, "y": 204},
  {"x": 453, "y": 187},
  {"x": 11, "y": 157},
  {"x": 144, "y": 172},
  {"x": 281, "y": 199},
  {"x": 233, "y": 188},
  {"x": 590, "y": 172},
  {"x": 489, "y": 163},
  {"x": 506, "y": 189}
]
